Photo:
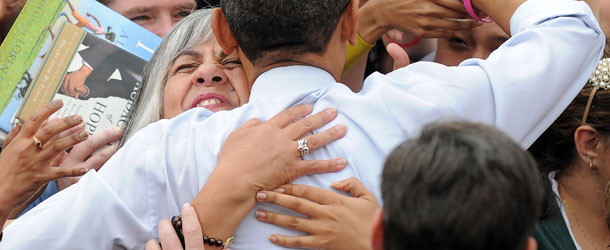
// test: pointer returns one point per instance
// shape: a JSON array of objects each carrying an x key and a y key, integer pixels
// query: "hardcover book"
[
  {"x": 30, "y": 40},
  {"x": 93, "y": 77}
]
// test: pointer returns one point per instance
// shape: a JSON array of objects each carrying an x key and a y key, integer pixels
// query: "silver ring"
[
  {"x": 302, "y": 147},
  {"x": 37, "y": 142}
]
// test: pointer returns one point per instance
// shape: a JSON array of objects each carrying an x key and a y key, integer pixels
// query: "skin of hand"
[
  {"x": 399, "y": 55},
  {"x": 74, "y": 82},
  {"x": 423, "y": 18},
  {"x": 25, "y": 168},
  {"x": 334, "y": 221},
  {"x": 90, "y": 154},
  {"x": 193, "y": 236},
  {"x": 262, "y": 156},
  {"x": 500, "y": 11}
]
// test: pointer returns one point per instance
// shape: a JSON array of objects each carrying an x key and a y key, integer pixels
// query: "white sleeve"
[{"x": 526, "y": 83}]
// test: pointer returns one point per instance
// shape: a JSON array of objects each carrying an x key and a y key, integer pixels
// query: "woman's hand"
[
  {"x": 262, "y": 156},
  {"x": 266, "y": 154},
  {"x": 193, "y": 236},
  {"x": 26, "y": 167},
  {"x": 423, "y": 18},
  {"x": 335, "y": 221},
  {"x": 89, "y": 154}
]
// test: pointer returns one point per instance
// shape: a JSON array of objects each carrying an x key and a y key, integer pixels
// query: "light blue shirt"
[{"x": 521, "y": 88}]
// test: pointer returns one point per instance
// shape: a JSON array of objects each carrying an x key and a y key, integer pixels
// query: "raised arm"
[{"x": 525, "y": 84}]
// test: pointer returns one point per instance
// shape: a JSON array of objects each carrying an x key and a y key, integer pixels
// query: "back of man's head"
[
  {"x": 282, "y": 28},
  {"x": 460, "y": 186}
]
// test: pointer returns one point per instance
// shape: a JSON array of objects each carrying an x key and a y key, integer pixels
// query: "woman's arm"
[{"x": 261, "y": 156}]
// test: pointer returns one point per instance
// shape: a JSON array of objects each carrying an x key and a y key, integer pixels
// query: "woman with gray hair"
[{"x": 190, "y": 65}]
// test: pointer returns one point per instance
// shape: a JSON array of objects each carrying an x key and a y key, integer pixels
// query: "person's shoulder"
[{"x": 552, "y": 233}]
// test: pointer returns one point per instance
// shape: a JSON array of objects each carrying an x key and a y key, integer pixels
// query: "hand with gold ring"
[
  {"x": 262, "y": 156},
  {"x": 26, "y": 163},
  {"x": 272, "y": 148}
]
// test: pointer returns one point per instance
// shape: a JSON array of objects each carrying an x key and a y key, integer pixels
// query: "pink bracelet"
[
  {"x": 473, "y": 14},
  {"x": 404, "y": 45}
]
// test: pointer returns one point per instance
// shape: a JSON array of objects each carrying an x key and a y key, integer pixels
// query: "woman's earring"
[{"x": 591, "y": 168}]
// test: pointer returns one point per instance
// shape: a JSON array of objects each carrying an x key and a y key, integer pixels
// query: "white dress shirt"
[{"x": 521, "y": 89}]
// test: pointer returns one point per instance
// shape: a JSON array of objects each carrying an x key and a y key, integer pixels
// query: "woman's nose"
[{"x": 209, "y": 75}]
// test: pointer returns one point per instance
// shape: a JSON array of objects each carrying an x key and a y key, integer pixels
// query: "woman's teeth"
[{"x": 208, "y": 102}]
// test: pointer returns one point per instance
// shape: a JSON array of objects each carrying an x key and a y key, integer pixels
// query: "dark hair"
[
  {"x": 282, "y": 28},
  {"x": 459, "y": 186},
  {"x": 555, "y": 149}
]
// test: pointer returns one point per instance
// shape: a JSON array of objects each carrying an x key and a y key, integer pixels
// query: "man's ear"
[
  {"x": 588, "y": 143},
  {"x": 349, "y": 25},
  {"x": 531, "y": 244},
  {"x": 223, "y": 34},
  {"x": 378, "y": 230}
]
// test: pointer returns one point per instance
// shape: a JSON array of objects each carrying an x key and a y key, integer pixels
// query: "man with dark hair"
[
  {"x": 459, "y": 186},
  {"x": 298, "y": 61}
]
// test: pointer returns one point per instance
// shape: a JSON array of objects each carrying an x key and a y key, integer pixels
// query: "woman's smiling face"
[{"x": 204, "y": 77}]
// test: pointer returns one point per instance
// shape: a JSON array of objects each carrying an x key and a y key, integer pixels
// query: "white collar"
[
  {"x": 555, "y": 186},
  {"x": 290, "y": 82}
]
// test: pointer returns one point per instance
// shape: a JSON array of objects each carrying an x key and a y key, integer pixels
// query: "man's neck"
[{"x": 319, "y": 61}]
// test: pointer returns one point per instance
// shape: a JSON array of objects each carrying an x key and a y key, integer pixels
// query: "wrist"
[
  {"x": 5, "y": 211},
  {"x": 371, "y": 25}
]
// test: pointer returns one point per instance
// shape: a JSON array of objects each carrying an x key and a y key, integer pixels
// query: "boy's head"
[{"x": 459, "y": 186}]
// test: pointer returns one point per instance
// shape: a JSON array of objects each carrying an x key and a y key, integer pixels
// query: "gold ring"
[{"x": 37, "y": 142}]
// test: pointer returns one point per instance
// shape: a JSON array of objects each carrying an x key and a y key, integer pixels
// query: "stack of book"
[{"x": 79, "y": 51}]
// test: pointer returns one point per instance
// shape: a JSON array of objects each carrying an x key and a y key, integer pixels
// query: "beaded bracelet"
[
  {"x": 473, "y": 14},
  {"x": 177, "y": 223}
]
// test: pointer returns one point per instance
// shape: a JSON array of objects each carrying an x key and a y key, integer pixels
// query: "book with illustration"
[
  {"x": 93, "y": 77},
  {"x": 32, "y": 39}
]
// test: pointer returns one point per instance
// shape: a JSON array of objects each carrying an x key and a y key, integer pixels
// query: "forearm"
[
  {"x": 370, "y": 26},
  {"x": 222, "y": 204},
  {"x": 500, "y": 11}
]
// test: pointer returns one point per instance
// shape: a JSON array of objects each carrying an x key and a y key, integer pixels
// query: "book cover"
[
  {"x": 39, "y": 22},
  {"x": 93, "y": 77}
]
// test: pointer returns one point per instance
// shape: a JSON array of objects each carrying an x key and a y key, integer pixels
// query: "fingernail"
[
  {"x": 272, "y": 239},
  {"x": 83, "y": 134},
  {"x": 335, "y": 183},
  {"x": 261, "y": 196},
  {"x": 339, "y": 127},
  {"x": 186, "y": 205},
  {"x": 341, "y": 162},
  {"x": 118, "y": 130},
  {"x": 77, "y": 118},
  {"x": 82, "y": 171},
  {"x": 55, "y": 103},
  {"x": 279, "y": 190},
  {"x": 260, "y": 214},
  {"x": 331, "y": 111}
]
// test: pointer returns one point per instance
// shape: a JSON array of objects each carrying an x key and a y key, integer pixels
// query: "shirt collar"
[{"x": 290, "y": 81}]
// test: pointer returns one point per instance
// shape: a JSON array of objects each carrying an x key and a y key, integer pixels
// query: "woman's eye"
[
  {"x": 458, "y": 42},
  {"x": 231, "y": 63},
  {"x": 185, "y": 68}
]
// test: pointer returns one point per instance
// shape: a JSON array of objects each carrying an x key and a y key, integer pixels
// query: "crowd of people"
[{"x": 333, "y": 124}]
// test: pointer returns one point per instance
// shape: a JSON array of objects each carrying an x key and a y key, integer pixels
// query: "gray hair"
[{"x": 187, "y": 34}]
